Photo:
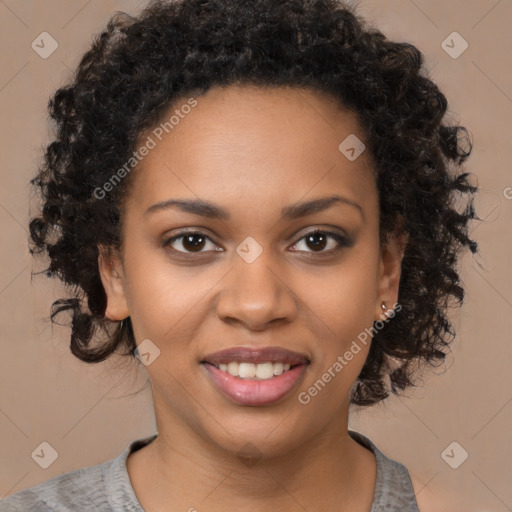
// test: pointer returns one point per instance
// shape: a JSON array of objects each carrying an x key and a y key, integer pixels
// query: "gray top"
[{"x": 106, "y": 487}]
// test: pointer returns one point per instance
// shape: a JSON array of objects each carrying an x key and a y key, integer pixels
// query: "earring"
[{"x": 383, "y": 306}]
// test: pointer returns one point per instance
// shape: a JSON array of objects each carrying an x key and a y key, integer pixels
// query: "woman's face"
[{"x": 252, "y": 277}]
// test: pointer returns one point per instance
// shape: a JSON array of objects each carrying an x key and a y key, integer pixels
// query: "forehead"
[{"x": 269, "y": 145}]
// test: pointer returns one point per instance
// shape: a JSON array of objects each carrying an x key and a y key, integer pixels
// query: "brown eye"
[
  {"x": 193, "y": 242},
  {"x": 318, "y": 241}
]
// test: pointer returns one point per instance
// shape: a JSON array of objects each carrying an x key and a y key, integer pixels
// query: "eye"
[
  {"x": 319, "y": 240},
  {"x": 191, "y": 241}
]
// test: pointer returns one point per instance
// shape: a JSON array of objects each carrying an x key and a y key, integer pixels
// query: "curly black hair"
[{"x": 141, "y": 65}]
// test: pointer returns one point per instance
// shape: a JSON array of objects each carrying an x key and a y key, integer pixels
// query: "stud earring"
[{"x": 384, "y": 315}]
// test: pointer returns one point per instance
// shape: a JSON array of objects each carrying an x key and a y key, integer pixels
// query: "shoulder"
[
  {"x": 80, "y": 489},
  {"x": 104, "y": 487},
  {"x": 393, "y": 486}
]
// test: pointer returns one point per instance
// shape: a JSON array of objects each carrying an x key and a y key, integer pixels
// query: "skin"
[{"x": 252, "y": 151}]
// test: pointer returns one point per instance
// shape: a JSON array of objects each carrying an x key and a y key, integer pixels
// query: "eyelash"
[{"x": 341, "y": 240}]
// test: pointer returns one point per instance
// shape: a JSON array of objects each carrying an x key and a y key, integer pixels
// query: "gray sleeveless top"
[{"x": 106, "y": 487}]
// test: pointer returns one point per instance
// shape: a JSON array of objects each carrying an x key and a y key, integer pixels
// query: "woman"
[{"x": 256, "y": 200}]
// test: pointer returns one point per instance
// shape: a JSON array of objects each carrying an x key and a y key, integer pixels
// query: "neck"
[{"x": 183, "y": 470}]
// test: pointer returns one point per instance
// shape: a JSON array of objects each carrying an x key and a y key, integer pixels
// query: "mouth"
[{"x": 255, "y": 377}]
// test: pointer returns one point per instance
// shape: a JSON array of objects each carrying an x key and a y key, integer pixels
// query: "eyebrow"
[{"x": 291, "y": 212}]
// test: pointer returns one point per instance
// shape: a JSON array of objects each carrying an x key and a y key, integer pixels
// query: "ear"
[
  {"x": 112, "y": 277},
  {"x": 390, "y": 269}
]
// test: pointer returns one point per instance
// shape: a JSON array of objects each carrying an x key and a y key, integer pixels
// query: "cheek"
[
  {"x": 343, "y": 299},
  {"x": 166, "y": 301},
  {"x": 162, "y": 304},
  {"x": 340, "y": 310},
  {"x": 341, "y": 316}
]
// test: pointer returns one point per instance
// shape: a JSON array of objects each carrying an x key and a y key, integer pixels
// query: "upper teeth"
[{"x": 251, "y": 370}]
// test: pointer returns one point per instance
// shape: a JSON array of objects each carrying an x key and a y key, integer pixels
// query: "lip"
[
  {"x": 256, "y": 355},
  {"x": 255, "y": 392}
]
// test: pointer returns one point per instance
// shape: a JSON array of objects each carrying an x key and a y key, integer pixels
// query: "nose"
[{"x": 256, "y": 294}]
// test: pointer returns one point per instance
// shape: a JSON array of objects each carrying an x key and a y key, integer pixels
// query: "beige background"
[{"x": 90, "y": 413}]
